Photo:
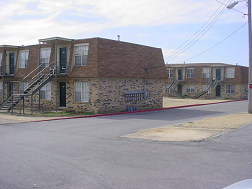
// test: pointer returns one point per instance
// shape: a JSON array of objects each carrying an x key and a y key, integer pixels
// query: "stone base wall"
[
  {"x": 110, "y": 93},
  {"x": 105, "y": 95},
  {"x": 240, "y": 91}
]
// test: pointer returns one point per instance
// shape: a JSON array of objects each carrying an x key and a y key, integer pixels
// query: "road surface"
[{"x": 89, "y": 153}]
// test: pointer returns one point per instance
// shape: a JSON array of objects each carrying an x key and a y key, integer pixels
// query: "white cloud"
[
  {"x": 24, "y": 24},
  {"x": 143, "y": 34}
]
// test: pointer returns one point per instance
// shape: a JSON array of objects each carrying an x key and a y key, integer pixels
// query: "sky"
[{"x": 188, "y": 31}]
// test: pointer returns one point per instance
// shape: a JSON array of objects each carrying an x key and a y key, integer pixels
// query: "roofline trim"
[
  {"x": 54, "y": 39},
  {"x": 9, "y": 46}
]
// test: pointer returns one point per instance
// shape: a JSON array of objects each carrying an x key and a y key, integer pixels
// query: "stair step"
[{"x": 35, "y": 86}]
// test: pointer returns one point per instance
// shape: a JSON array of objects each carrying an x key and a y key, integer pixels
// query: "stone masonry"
[{"x": 106, "y": 95}]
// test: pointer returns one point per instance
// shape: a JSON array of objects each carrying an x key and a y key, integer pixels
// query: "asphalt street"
[{"x": 89, "y": 153}]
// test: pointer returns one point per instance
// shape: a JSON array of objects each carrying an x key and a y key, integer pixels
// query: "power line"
[
  {"x": 217, "y": 43},
  {"x": 232, "y": 8},
  {"x": 199, "y": 36},
  {"x": 175, "y": 50}
]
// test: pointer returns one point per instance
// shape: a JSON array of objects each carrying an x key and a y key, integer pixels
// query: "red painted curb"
[{"x": 139, "y": 111}]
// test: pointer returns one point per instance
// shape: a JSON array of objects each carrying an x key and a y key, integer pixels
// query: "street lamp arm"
[{"x": 232, "y": 5}]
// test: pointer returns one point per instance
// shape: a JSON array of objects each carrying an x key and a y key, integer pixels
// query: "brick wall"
[
  {"x": 105, "y": 95},
  {"x": 241, "y": 73},
  {"x": 240, "y": 91}
]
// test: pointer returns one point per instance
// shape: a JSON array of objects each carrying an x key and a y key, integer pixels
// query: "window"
[
  {"x": 190, "y": 72},
  {"x": 169, "y": 72},
  {"x": 204, "y": 87},
  {"x": 190, "y": 88},
  {"x": 168, "y": 86},
  {"x": 22, "y": 86},
  {"x": 230, "y": 72},
  {"x": 230, "y": 89},
  {"x": 246, "y": 90},
  {"x": 81, "y": 92},
  {"x": 1, "y": 88},
  {"x": 45, "y": 92},
  {"x": 1, "y": 57},
  {"x": 80, "y": 55},
  {"x": 45, "y": 57},
  {"x": 23, "y": 58},
  {"x": 206, "y": 72}
]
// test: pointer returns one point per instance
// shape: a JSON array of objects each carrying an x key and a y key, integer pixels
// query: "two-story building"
[
  {"x": 207, "y": 80},
  {"x": 92, "y": 75}
]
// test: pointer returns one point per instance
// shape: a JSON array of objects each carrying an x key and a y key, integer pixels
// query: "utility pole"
[
  {"x": 250, "y": 60},
  {"x": 231, "y": 6}
]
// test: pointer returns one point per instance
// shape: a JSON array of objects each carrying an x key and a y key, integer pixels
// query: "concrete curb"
[{"x": 150, "y": 110}]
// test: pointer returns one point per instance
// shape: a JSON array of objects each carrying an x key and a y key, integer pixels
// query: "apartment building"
[
  {"x": 91, "y": 75},
  {"x": 207, "y": 80}
]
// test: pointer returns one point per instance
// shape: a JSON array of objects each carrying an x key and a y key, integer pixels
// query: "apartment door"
[
  {"x": 62, "y": 94},
  {"x": 11, "y": 62},
  {"x": 63, "y": 59},
  {"x": 10, "y": 88},
  {"x": 218, "y": 91},
  {"x": 218, "y": 74},
  {"x": 180, "y": 89},
  {"x": 180, "y": 74}
]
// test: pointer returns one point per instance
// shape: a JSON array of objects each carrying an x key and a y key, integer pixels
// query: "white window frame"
[
  {"x": 204, "y": 88},
  {"x": 206, "y": 72},
  {"x": 45, "y": 54},
  {"x": 246, "y": 90},
  {"x": 81, "y": 91},
  {"x": 45, "y": 92},
  {"x": 230, "y": 72},
  {"x": 22, "y": 86},
  {"x": 190, "y": 88},
  {"x": 230, "y": 89},
  {"x": 1, "y": 57},
  {"x": 81, "y": 51},
  {"x": 23, "y": 58},
  {"x": 1, "y": 87},
  {"x": 190, "y": 74},
  {"x": 169, "y": 73}
]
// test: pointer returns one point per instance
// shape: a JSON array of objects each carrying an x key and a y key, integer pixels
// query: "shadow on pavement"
[{"x": 166, "y": 115}]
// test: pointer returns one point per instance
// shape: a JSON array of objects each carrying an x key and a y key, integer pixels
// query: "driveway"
[{"x": 89, "y": 153}]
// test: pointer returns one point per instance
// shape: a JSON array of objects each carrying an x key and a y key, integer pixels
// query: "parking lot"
[{"x": 90, "y": 152}]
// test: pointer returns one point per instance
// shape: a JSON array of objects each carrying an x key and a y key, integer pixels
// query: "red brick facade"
[
  {"x": 106, "y": 59},
  {"x": 239, "y": 80}
]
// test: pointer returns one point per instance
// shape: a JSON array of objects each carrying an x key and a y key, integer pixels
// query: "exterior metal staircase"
[
  {"x": 171, "y": 85},
  {"x": 43, "y": 76},
  {"x": 180, "y": 94},
  {"x": 211, "y": 86}
]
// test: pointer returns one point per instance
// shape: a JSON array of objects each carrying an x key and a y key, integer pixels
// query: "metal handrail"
[
  {"x": 171, "y": 83},
  {"x": 210, "y": 81},
  {"x": 38, "y": 74},
  {"x": 32, "y": 71}
]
